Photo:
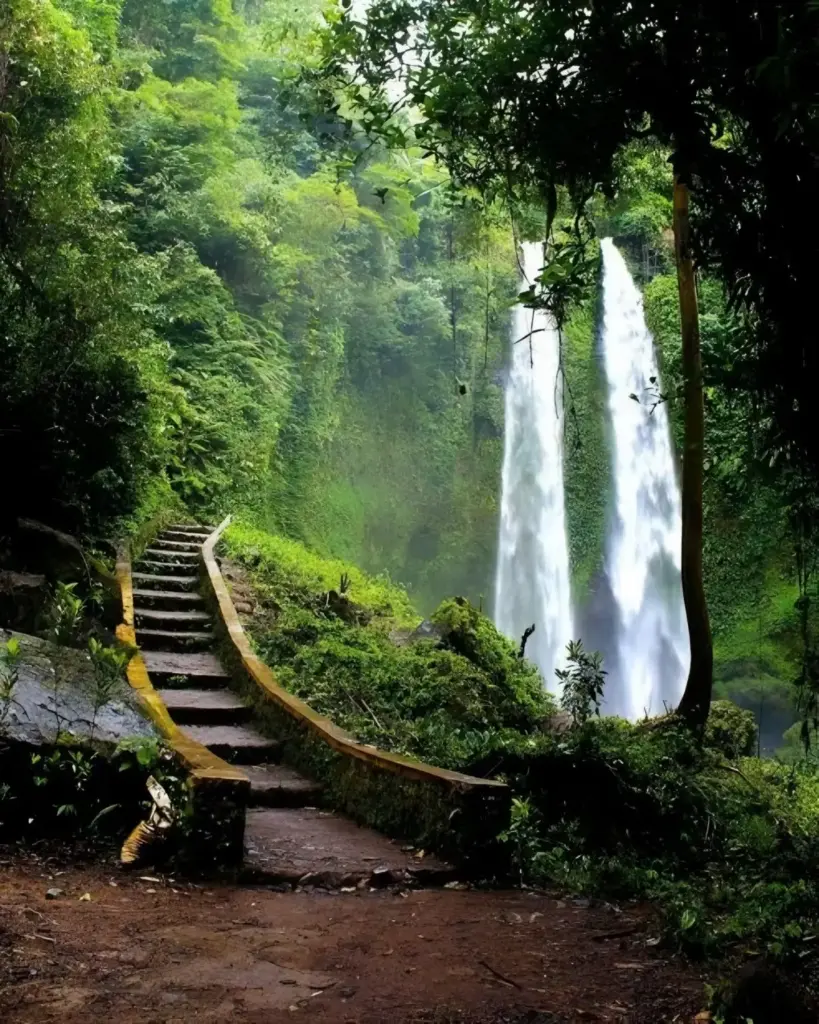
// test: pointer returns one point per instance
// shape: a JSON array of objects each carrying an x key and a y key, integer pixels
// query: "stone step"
[
  {"x": 146, "y": 581},
  {"x": 174, "y": 640},
  {"x": 189, "y": 528},
  {"x": 315, "y": 847},
  {"x": 161, "y": 618},
  {"x": 164, "y": 555},
  {"x": 238, "y": 744},
  {"x": 275, "y": 785},
  {"x": 205, "y": 707},
  {"x": 189, "y": 535},
  {"x": 164, "y": 569},
  {"x": 170, "y": 669},
  {"x": 173, "y": 600},
  {"x": 182, "y": 546}
]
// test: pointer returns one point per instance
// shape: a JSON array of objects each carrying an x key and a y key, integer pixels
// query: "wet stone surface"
[{"x": 55, "y": 691}]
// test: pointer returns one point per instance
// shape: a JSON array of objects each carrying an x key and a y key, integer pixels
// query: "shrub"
[{"x": 730, "y": 730}]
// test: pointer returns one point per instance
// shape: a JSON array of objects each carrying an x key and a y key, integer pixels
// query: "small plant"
[
  {"x": 108, "y": 664},
  {"x": 64, "y": 615},
  {"x": 9, "y": 676},
  {"x": 582, "y": 681},
  {"x": 64, "y": 771},
  {"x": 524, "y": 836}
]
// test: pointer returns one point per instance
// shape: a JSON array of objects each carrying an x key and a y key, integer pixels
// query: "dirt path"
[{"x": 158, "y": 952}]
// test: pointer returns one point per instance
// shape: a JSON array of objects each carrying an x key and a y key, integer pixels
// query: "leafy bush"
[
  {"x": 731, "y": 730},
  {"x": 727, "y": 851},
  {"x": 582, "y": 683},
  {"x": 442, "y": 700}
]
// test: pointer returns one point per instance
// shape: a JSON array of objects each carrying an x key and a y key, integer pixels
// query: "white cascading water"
[
  {"x": 532, "y": 578},
  {"x": 643, "y": 558}
]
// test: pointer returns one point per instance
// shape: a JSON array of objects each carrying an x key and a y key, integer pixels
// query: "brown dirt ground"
[{"x": 157, "y": 951}]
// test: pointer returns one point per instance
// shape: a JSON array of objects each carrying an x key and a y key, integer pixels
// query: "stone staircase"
[
  {"x": 175, "y": 634},
  {"x": 287, "y": 837}
]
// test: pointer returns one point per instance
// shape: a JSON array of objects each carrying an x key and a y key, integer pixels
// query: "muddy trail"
[{"x": 153, "y": 950}]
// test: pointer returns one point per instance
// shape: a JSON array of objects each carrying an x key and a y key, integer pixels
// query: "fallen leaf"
[
  {"x": 85, "y": 898},
  {"x": 148, "y": 878}
]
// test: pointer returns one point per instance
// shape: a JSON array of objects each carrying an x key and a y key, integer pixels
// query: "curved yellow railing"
[{"x": 326, "y": 730}]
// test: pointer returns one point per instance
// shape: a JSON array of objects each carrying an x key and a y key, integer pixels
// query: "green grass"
[
  {"x": 442, "y": 700},
  {"x": 288, "y": 567}
]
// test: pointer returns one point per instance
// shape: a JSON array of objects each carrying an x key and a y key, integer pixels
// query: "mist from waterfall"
[
  {"x": 643, "y": 553},
  {"x": 532, "y": 578}
]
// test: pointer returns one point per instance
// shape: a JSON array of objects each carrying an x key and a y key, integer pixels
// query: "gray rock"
[
  {"x": 22, "y": 595},
  {"x": 427, "y": 631},
  {"x": 53, "y": 894},
  {"x": 55, "y": 691},
  {"x": 45, "y": 550}
]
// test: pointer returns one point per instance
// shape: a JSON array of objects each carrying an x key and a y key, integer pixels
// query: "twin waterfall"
[
  {"x": 532, "y": 580},
  {"x": 647, "y": 656}
]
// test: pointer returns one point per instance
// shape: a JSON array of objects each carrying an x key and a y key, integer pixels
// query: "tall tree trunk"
[{"x": 696, "y": 700}]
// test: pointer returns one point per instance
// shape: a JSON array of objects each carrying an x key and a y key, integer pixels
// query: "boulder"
[
  {"x": 55, "y": 692},
  {"x": 22, "y": 595},
  {"x": 42, "y": 549},
  {"x": 427, "y": 630},
  {"x": 763, "y": 994}
]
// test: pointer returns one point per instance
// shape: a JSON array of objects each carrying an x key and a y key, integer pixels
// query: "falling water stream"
[
  {"x": 643, "y": 557},
  {"x": 532, "y": 580}
]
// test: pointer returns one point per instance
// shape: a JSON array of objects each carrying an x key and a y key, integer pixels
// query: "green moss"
[
  {"x": 290, "y": 572},
  {"x": 439, "y": 699},
  {"x": 731, "y": 730},
  {"x": 588, "y": 472}
]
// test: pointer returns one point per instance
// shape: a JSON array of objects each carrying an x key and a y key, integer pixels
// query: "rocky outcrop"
[
  {"x": 56, "y": 693},
  {"x": 22, "y": 595}
]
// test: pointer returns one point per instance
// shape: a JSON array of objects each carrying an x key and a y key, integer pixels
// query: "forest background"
[{"x": 213, "y": 294}]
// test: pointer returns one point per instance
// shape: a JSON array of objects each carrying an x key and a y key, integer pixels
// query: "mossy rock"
[{"x": 731, "y": 730}]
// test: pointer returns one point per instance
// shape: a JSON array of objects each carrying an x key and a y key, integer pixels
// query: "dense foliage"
[
  {"x": 205, "y": 300},
  {"x": 521, "y": 98},
  {"x": 726, "y": 847},
  {"x": 442, "y": 693}
]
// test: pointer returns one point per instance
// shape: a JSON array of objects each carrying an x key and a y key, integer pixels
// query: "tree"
[
  {"x": 532, "y": 98},
  {"x": 697, "y": 696}
]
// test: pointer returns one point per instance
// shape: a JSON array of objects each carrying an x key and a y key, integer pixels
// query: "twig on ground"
[{"x": 500, "y": 977}]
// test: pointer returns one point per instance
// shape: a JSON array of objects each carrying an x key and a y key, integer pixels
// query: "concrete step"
[
  {"x": 174, "y": 640},
  {"x": 148, "y": 582},
  {"x": 164, "y": 544},
  {"x": 314, "y": 847},
  {"x": 164, "y": 569},
  {"x": 189, "y": 535},
  {"x": 275, "y": 785},
  {"x": 205, "y": 707},
  {"x": 161, "y": 618},
  {"x": 176, "y": 669},
  {"x": 238, "y": 744},
  {"x": 172, "y": 600},
  {"x": 189, "y": 528},
  {"x": 164, "y": 555}
]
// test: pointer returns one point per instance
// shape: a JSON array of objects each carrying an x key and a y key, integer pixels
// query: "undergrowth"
[
  {"x": 725, "y": 844},
  {"x": 444, "y": 699},
  {"x": 726, "y": 847}
]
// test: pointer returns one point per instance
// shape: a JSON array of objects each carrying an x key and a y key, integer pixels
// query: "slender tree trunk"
[{"x": 696, "y": 700}]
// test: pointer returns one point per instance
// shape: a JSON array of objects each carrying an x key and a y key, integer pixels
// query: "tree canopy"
[{"x": 547, "y": 95}]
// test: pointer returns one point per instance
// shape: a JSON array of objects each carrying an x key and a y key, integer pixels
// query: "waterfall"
[
  {"x": 532, "y": 579},
  {"x": 643, "y": 556}
]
